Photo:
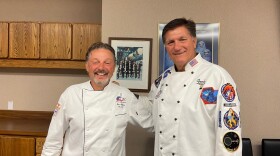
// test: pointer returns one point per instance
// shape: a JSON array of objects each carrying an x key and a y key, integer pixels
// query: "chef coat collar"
[
  {"x": 194, "y": 62},
  {"x": 88, "y": 86}
]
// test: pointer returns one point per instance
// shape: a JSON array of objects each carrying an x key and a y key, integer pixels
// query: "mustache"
[{"x": 100, "y": 71}]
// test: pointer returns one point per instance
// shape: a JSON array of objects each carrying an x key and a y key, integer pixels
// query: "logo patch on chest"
[
  {"x": 121, "y": 101},
  {"x": 200, "y": 83},
  {"x": 209, "y": 95}
]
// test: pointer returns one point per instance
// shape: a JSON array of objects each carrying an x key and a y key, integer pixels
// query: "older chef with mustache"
[{"x": 90, "y": 118}]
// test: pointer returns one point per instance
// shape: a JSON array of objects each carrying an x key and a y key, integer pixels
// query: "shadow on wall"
[{"x": 139, "y": 142}]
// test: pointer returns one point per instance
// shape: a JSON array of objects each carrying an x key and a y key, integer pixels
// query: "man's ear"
[
  {"x": 86, "y": 65},
  {"x": 194, "y": 41}
]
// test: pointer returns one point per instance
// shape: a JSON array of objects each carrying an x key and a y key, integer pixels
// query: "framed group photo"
[
  {"x": 207, "y": 35},
  {"x": 133, "y": 62}
]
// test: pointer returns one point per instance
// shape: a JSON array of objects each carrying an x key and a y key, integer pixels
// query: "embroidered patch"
[
  {"x": 220, "y": 119},
  {"x": 231, "y": 141},
  {"x": 200, "y": 83},
  {"x": 120, "y": 101},
  {"x": 57, "y": 108},
  {"x": 157, "y": 81},
  {"x": 229, "y": 104},
  {"x": 209, "y": 95},
  {"x": 193, "y": 62},
  {"x": 228, "y": 92},
  {"x": 231, "y": 119},
  {"x": 166, "y": 73}
]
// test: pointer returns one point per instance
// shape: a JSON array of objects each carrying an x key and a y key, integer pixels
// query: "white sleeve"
[
  {"x": 228, "y": 129},
  {"x": 141, "y": 111},
  {"x": 54, "y": 141}
]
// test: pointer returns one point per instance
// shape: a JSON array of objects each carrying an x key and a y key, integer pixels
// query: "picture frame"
[
  {"x": 207, "y": 35},
  {"x": 133, "y": 62}
]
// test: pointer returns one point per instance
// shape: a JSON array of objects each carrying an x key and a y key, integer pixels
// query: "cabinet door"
[
  {"x": 17, "y": 146},
  {"x": 83, "y": 36},
  {"x": 39, "y": 144},
  {"x": 3, "y": 40},
  {"x": 55, "y": 41},
  {"x": 24, "y": 40}
]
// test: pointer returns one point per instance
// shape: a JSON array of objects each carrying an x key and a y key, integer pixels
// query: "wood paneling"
[
  {"x": 3, "y": 40},
  {"x": 24, "y": 40},
  {"x": 83, "y": 36},
  {"x": 55, "y": 41},
  {"x": 17, "y": 146}
]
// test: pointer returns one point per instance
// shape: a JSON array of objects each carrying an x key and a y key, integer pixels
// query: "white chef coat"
[
  {"x": 92, "y": 123},
  {"x": 196, "y": 112}
]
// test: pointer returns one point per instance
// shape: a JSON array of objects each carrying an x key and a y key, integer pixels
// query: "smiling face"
[
  {"x": 180, "y": 46},
  {"x": 100, "y": 67}
]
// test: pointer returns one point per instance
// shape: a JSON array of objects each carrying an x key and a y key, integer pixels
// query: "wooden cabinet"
[
  {"x": 55, "y": 41},
  {"x": 39, "y": 145},
  {"x": 22, "y": 133},
  {"x": 3, "y": 40},
  {"x": 24, "y": 40},
  {"x": 46, "y": 45},
  {"x": 19, "y": 146},
  {"x": 83, "y": 36}
]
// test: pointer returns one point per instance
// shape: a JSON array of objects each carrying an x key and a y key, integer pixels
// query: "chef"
[
  {"x": 90, "y": 118},
  {"x": 196, "y": 110}
]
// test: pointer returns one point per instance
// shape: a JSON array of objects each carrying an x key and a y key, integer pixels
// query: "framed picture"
[
  {"x": 133, "y": 62},
  {"x": 207, "y": 35}
]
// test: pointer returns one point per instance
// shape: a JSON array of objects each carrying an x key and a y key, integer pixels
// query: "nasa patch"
[
  {"x": 231, "y": 141},
  {"x": 228, "y": 92},
  {"x": 209, "y": 95},
  {"x": 231, "y": 119}
]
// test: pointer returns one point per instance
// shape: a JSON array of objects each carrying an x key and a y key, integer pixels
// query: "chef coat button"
[
  {"x": 160, "y": 115},
  {"x": 178, "y": 101},
  {"x": 166, "y": 84},
  {"x": 160, "y": 148},
  {"x": 192, "y": 72},
  {"x": 174, "y": 136},
  {"x": 162, "y": 99},
  {"x": 173, "y": 153},
  {"x": 175, "y": 119},
  {"x": 185, "y": 85},
  {"x": 160, "y": 132}
]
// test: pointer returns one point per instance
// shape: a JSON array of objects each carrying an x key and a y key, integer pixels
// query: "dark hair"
[
  {"x": 188, "y": 24},
  {"x": 99, "y": 45}
]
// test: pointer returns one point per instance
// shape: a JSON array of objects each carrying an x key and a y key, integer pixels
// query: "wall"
[
  {"x": 249, "y": 47},
  {"x": 39, "y": 89}
]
